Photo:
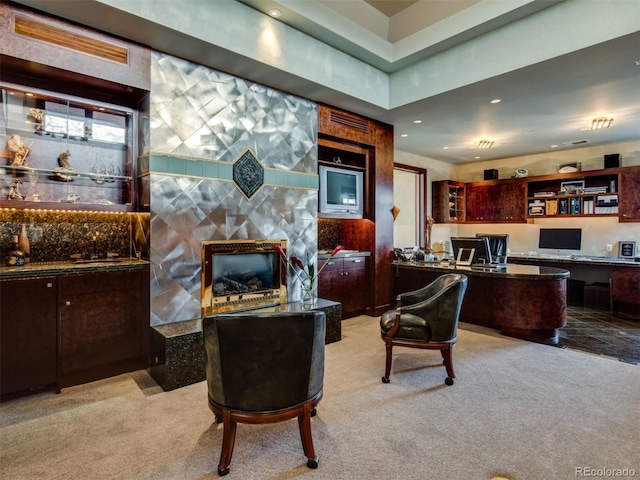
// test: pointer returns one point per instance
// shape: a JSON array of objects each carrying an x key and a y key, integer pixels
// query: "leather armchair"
[
  {"x": 264, "y": 368},
  {"x": 426, "y": 318}
]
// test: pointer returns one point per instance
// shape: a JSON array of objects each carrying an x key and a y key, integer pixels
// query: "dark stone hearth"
[{"x": 177, "y": 350}]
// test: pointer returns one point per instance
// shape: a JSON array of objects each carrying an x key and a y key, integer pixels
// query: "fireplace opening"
[{"x": 241, "y": 275}]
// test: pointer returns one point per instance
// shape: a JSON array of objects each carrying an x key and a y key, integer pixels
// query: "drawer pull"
[
  {"x": 49, "y": 285},
  {"x": 67, "y": 303}
]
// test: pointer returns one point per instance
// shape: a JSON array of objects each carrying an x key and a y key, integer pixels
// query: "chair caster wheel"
[
  {"x": 448, "y": 381},
  {"x": 385, "y": 380},
  {"x": 222, "y": 473},
  {"x": 314, "y": 412},
  {"x": 313, "y": 463}
]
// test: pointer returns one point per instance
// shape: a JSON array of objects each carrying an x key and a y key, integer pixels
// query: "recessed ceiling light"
[
  {"x": 554, "y": 146},
  {"x": 29, "y": 94},
  {"x": 275, "y": 13},
  {"x": 404, "y": 135},
  {"x": 417, "y": 121},
  {"x": 496, "y": 100},
  {"x": 485, "y": 144},
  {"x": 445, "y": 148},
  {"x": 477, "y": 158}
]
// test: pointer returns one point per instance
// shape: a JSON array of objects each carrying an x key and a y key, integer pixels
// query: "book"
[{"x": 551, "y": 207}]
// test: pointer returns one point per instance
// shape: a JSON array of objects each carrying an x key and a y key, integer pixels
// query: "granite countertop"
[
  {"x": 324, "y": 254},
  {"x": 40, "y": 269},
  {"x": 511, "y": 270},
  {"x": 574, "y": 259}
]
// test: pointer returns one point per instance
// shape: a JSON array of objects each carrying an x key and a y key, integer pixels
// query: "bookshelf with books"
[{"x": 577, "y": 194}]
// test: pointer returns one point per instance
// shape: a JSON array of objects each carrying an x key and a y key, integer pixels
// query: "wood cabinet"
[
  {"x": 496, "y": 201},
  {"x": 345, "y": 280},
  {"x": 629, "y": 187},
  {"x": 448, "y": 201},
  {"x": 27, "y": 334},
  {"x": 374, "y": 233},
  {"x": 625, "y": 289},
  {"x": 104, "y": 324}
]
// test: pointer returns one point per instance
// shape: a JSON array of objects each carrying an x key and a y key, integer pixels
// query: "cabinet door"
[
  {"x": 509, "y": 201},
  {"x": 330, "y": 280},
  {"x": 629, "y": 198},
  {"x": 480, "y": 204},
  {"x": 102, "y": 325},
  {"x": 27, "y": 333},
  {"x": 355, "y": 291}
]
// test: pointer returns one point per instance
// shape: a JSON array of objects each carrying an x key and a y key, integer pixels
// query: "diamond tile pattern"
[
  {"x": 248, "y": 174},
  {"x": 201, "y": 113}
]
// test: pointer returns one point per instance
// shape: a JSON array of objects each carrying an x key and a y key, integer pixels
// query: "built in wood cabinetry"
[
  {"x": 448, "y": 203},
  {"x": 345, "y": 280},
  {"x": 81, "y": 152},
  {"x": 613, "y": 192},
  {"x": 27, "y": 334},
  {"x": 353, "y": 134},
  {"x": 104, "y": 323}
]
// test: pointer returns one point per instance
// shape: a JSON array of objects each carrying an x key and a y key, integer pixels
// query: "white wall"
[{"x": 596, "y": 232}]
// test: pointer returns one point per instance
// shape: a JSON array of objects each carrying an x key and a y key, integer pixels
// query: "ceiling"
[{"x": 545, "y": 107}]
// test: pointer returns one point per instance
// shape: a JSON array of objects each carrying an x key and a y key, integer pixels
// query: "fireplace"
[{"x": 242, "y": 275}]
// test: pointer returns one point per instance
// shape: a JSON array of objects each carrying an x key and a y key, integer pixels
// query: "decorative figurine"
[
  {"x": 14, "y": 191},
  {"x": 18, "y": 150},
  {"x": 65, "y": 171},
  {"x": 63, "y": 160}
]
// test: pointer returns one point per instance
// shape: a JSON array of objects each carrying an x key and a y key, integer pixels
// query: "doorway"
[{"x": 409, "y": 199}]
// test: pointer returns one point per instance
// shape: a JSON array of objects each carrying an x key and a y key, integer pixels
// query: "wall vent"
[
  {"x": 344, "y": 120},
  {"x": 575, "y": 142},
  {"x": 45, "y": 32}
]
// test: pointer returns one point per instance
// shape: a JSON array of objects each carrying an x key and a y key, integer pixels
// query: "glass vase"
[{"x": 307, "y": 294}]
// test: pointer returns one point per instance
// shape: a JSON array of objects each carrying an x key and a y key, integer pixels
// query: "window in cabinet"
[{"x": 78, "y": 152}]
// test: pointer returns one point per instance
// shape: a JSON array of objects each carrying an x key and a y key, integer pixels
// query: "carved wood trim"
[{"x": 37, "y": 30}]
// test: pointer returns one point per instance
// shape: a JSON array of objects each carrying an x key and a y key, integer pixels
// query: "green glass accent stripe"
[{"x": 193, "y": 167}]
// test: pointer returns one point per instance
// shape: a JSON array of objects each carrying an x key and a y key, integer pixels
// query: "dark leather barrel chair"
[
  {"x": 426, "y": 318},
  {"x": 264, "y": 368}
]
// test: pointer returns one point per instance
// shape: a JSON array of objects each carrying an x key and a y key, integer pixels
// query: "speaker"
[
  {"x": 491, "y": 174},
  {"x": 610, "y": 161}
]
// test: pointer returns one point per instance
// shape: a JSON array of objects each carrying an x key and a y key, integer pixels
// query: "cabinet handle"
[
  {"x": 49, "y": 285},
  {"x": 346, "y": 274},
  {"x": 357, "y": 261},
  {"x": 67, "y": 303}
]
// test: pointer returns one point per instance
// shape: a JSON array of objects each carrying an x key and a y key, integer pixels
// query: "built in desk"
[
  {"x": 587, "y": 273},
  {"x": 523, "y": 301},
  {"x": 178, "y": 357}
]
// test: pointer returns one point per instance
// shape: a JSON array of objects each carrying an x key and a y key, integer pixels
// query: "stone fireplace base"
[{"x": 177, "y": 349}]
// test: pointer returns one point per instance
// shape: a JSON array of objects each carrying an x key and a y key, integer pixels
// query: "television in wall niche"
[
  {"x": 560, "y": 238},
  {"x": 341, "y": 192}
]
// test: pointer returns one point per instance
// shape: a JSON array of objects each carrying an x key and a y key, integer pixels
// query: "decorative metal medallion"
[{"x": 248, "y": 174}]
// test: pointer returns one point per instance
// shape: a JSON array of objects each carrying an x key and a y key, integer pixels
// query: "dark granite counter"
[
  {"x": 40, "y": 269},
  {"x": 574, "y": 260},
  {"x": 323, "y": 255},
  {"x": 530, "y": 272}
]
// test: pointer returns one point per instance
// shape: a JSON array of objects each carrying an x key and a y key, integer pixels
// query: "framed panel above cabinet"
[{"x": 65, "y": 152}]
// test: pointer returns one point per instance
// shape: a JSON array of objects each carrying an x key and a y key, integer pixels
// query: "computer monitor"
[
  {"x": 498, "y": 244},
  {"x": 480, "y": 244}
]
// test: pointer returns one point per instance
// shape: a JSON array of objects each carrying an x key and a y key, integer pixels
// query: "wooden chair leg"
[
  {"x": 387, "y": 370},
  {"x": 448, "y": 362},
  {"x": 304, "y": 424},
  {"x": 228, "y": 440}
]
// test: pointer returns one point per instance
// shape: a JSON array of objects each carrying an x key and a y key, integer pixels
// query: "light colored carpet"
[{"x": 520, "y": 410}]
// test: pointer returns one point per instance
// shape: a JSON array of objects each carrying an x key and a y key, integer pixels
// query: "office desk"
[{"x": 523, "y": 301}]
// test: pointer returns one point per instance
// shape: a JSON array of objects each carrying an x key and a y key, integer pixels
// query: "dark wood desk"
[{"x": 523, "y": 301}]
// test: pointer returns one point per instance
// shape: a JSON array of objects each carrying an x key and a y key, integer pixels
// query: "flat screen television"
[
  {"x": 482, "y": 253},
  {"x": 341, "y": 192},
  {"x": 560, "y": 238}
]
